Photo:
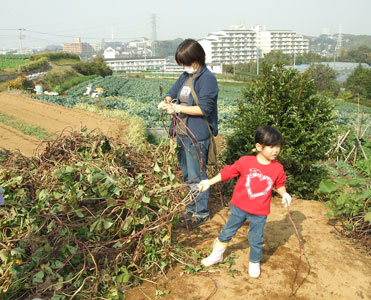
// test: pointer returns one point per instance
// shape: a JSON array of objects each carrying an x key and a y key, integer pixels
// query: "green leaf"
[
  {"x": 367, "y": 217},
  {"x": 156, "y": 168},
  {"x": 356, "y": 182},
  {"x": 128, "y": 222},
  {"x": 72, "y": 249},
  {"x": 365, "y": 194},
  {"x": 107, "y": 224},
  {"x": 58, "y": 264},
  {"x": 94, "y": 225},
  {"x": 69, "y": 169},
  {"x": 327, "y": 186},
  {"x": 79, "y": 213},
  {"x": 124, "y": 276},
  {"x": 330, "y": 214},
  {"x": 171, "y": 174},
  {"x": 117, "y": 245},
  {"x": 17, "y": 252},
  {"x": 146, "y": 199},
  {"x": 16, "y": 270},
  {"x": 57, "y": 195},
  {"x": 58, "y": 297},
  {"x": 38, "y": 278}
]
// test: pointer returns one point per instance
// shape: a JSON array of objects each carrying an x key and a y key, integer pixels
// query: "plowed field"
[{"x": 52, "y": 118}]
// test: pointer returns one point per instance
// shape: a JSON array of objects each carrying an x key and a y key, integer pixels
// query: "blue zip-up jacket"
[{"x": 206, "y": 88}]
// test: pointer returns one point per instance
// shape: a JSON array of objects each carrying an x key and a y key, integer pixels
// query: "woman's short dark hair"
[
  {"x": 268, "y": 136},
  {"x": 188, "y": 52}
]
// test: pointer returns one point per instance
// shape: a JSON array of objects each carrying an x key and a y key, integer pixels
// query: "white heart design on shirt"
[{"x": 254, "y": 173}]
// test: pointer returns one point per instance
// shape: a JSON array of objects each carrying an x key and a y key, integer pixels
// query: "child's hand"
[
  {"x": 203, "y": 185},
  {"x": 286, "y": 200}
]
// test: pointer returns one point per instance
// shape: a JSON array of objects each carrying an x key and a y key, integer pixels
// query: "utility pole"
[
  {"x": 154, "y": 34},
  {"x": 20, "y": 40},
  {"x": 257, "y": 60},
  {"x": 339, "y": 43}
]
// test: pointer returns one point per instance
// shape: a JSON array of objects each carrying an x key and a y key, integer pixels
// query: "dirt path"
[
  {"x": 330, "y": 268},
  {"x": 53, "y": 118}
]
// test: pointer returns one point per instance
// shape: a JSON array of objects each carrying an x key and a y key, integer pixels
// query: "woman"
[{"x": 189, "y": 122}]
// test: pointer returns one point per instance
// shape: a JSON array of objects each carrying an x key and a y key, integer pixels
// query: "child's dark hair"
[{"x": 268, "y": 136}]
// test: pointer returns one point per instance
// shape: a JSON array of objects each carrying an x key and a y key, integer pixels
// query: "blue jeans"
[
  {"x": 256, "y": 229},
  {"x": 189, "y": 160}
]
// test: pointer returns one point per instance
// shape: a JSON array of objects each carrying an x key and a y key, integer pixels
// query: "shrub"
[
  {"x": 39, "y": 64},
  {"x": 55, "y": 56},
  {"x": 286, "y": 99},
  {"x": 59, "y": 75},
  {"x": 345, "y": 95},
  {"x": 350, "y": 201},
  {"x": 95, "y": 67},
  {"x": 324, "y": 78},
  {"x": 19, "y": 83},
  {"x": 359, "y": 82}
]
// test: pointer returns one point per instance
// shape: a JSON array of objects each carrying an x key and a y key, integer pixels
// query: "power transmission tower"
[
  {"x": 154, "y": 34},
  {"x": 339, "y": 44}
]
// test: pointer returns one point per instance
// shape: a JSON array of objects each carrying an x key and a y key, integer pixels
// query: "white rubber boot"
[
  {"x": 216, "y": 255},
  {"x": 254, "y": 269}
]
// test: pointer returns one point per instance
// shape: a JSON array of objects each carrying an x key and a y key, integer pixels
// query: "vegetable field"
[
  {"x": 140, "y": 97},
  {"x": 12, "y": 61}
]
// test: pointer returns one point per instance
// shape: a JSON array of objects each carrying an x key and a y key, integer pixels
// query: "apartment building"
[
  {"x": 240, "y": 45},
  {"x": 79, "y": 48},
  {"x": 136, "y": 64}
]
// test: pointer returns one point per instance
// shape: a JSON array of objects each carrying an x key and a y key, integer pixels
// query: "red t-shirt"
[{"x": 253, "y": 191}]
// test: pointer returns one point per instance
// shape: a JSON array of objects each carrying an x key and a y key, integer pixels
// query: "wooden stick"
[
  {"x": 363, "y": 151},
  {"x": 368, "y": 125}
]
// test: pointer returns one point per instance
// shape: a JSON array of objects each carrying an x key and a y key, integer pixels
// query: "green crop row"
[
  {"x": 12, "y": 61},
  {"x": 27, "y": 129}
]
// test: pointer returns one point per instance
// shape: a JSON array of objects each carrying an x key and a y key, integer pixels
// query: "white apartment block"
[
  {"x": 136, "y": 64},
  {"x": 240, "y": 45}
]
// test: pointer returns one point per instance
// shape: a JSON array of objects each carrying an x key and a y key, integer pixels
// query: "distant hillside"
[
  {"x": 327, "y": 43},
  {"x": 356, "y": 41}
]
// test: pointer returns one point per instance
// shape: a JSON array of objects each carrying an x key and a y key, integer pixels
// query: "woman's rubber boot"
[
  {"x": 254, "y": 269},
  {"x": 216, "y": 255}
]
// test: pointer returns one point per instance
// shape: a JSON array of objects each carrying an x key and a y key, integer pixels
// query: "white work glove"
[
  {"x": 162, "y": 105},
  {"x": 203, "y": 185},
  {"x": 172, "y": 108},
  {"x": 286, "y": 200}
]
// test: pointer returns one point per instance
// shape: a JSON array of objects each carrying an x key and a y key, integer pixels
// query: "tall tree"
[
  {"x": 359, "y": 82},
  {"x": 277, "y": 56},
  {"x": 324, "y": 78}
]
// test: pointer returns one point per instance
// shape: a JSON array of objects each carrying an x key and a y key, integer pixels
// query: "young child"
[{"x": 251, "y": 195}]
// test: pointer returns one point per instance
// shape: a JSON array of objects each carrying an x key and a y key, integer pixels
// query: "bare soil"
[
  {"x": 331, "y": 267},
  {"x": 53, "y": 118}
]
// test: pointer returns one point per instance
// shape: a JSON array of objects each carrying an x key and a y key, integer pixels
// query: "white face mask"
[{"x": 189, "y": 69}]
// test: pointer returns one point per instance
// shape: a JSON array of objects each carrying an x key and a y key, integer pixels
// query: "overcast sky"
[{"x": 58, "y": 21}]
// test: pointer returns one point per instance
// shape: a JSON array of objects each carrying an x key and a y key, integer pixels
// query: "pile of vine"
[{"x": 87, "y": 217}]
